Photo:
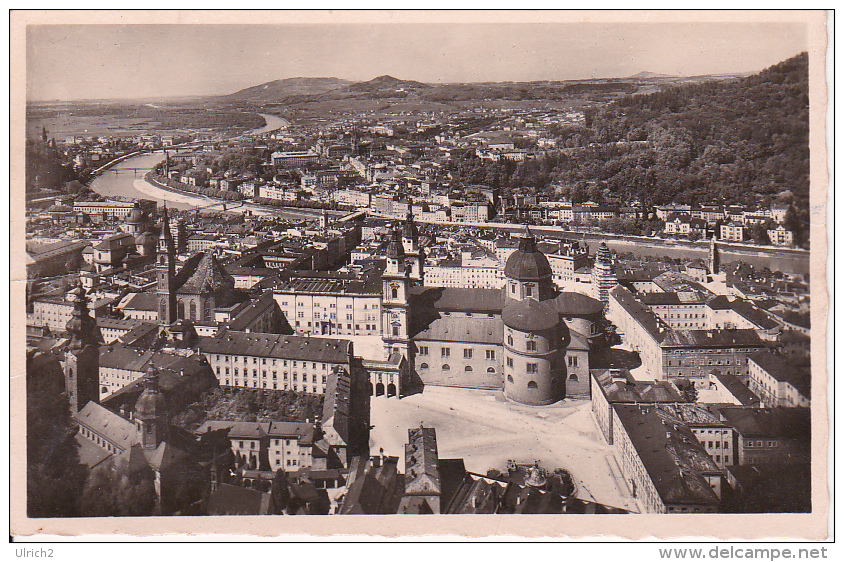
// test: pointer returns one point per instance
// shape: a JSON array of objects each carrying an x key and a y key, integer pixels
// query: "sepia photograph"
[{"x": 271, "y": 265}]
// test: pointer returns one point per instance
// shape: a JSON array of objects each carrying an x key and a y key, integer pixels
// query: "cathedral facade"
[{"x": 528, "y": 339}]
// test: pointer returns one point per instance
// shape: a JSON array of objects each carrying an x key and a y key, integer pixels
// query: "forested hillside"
[
  {"x": 740, "y": 141},
  {"x": 733, "y": 140}
]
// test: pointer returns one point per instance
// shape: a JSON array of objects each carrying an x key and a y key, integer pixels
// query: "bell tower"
[
  {"x": 151, "y": 419},
  {"x": 395, "y": 312},
  {"x": 714, "y": 258},
  {"x": 165, "y": 266},
  {"x": 415, "y": 256},
  {"x": 82, "y": 358}
]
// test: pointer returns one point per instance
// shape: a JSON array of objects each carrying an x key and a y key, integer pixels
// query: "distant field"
[
  {"x": 126, "y": 120},
  {"x": 64, "y": 126},
  {"x": 416, "y": 107},
  {"x": 523, "y": 104}
]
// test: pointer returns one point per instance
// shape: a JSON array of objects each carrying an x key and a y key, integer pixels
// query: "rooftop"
[
  {"x": 326, "y": 350},
  {"x": 779, "y": 367},
  {"x": 792, "y": 423},
  {"x": 672, "y": 456}
]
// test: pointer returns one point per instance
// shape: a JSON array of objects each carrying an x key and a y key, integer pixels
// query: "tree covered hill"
[{"x": 742, "y": 141}]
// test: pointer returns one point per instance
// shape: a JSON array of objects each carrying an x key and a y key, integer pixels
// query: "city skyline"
[{"x": 78, "y": 62}]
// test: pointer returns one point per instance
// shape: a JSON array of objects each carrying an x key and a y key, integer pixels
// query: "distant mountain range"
[
  {"x": 644, "y": 75},
  {"x": 279, "y": 89},
  {"x": 308, "y": 90},
  {"x": 386, "y": 82}
]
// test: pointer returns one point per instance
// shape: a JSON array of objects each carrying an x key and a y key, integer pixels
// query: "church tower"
[
  {"x": 82, "y": 358},
  {"x": 180, "y": 235},
  {"x": 355, "y": 141},
  {"x": 714, "y": 257},
  {"x": 415, "y": 256},
  {"x": 603, "y": 273},
  {"x": 166, "y": 274},
  {"x": 395, "y": 312},
  {"x": 151, "y": 419}
]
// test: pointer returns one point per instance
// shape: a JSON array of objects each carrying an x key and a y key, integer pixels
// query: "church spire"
[
  {"x": 166, "y": 273},
  {"x": 82, "y": 357}
]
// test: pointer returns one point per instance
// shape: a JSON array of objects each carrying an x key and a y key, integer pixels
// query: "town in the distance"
[{"x": 389, "y": 297}]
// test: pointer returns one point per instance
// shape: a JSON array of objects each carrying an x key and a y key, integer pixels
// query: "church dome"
[
  {"x": 569, "y": 303},
  {"x": 409, "y": 229},
  {"x": 527, "y": 263},
  {"x": 530, "y": 315},
  {"x": 136, "y": 215},
  {"x": 395, "y": 249},
  {"x": 151, "y": 403}
]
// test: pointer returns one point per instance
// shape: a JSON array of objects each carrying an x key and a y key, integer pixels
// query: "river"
[
  {"x": 274, "y": 123},
  {"x": 130, "y": 183},
  {"x": 775, "y": 259},
  {"x": 125, "y": 179}
]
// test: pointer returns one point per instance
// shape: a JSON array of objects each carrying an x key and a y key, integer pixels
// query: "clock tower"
[{"x": 395, "y": 312}]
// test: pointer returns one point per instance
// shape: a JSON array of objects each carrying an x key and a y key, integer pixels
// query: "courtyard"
[{"x": 486, "y": 431}]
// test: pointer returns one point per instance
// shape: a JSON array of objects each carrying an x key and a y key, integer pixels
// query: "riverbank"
[
  {"x": 273, "y": 123},
  {"x": 159, "y": 192},
  {"x": 775, "y": 258}
]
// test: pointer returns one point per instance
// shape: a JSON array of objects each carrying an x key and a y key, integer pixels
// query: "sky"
[{"x": 68, "y": 62}]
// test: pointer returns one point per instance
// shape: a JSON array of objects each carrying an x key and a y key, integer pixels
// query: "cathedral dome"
[
  {"x": 136, "y": 215},
  {"x": 527, "y": 263},
  {"x": 395, "y": 249},
  {"x": 151, "y": 403},
  {"x": 409, "y": 229},
  {"x": 530, "y": 315},
  {"x": 569, "y": 303}
]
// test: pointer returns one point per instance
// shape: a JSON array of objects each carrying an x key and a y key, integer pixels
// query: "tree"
[
  {"x": 280, "y": 492},
  {"x": 97, "y": 498},
  {"x": 759, "y": 234},
  {"x": 135, "y": 499},
  {"x": 687, "y": 389},
  {"x": 55, "y": 477}
]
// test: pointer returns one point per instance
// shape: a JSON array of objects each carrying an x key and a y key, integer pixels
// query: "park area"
[{"x": 487, "y": 431}]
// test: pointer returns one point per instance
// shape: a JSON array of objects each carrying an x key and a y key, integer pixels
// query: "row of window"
[
  {"x": 531, "y": 384},
  {"x": 274, "y": 375},
  {"x": 447, "y": 367},
  {"x": 264, "y": 362},
  {"x": 275, "y": 386},
  {"x": 332, "y": 305},
  {"x": 758, "y": 444}
]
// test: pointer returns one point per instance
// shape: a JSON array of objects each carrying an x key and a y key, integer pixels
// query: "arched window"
[
  {"x": 468, "y": 369},
  {"x": 510, "y": 378},
  {"x": 446, "y": 367},
  {"x": 423, "y": 366},
  {"x": 490, "y": 370},
  {"x": 395, "y": 293},
  {"x": 193, "y": 310},
  {"x": 104, "y": 390},
  {"x": 532, "y": 384},
  {"x": 573, "y": 377}
]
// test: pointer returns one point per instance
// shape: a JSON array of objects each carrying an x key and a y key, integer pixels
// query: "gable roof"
[
  {"x": 106, "y": 423},
  {"x": 231, "y": 342}
]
